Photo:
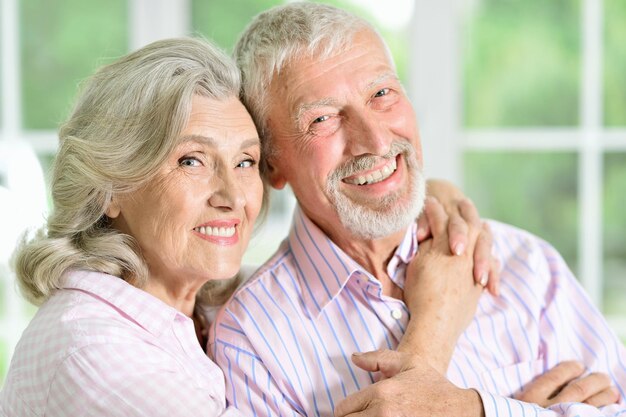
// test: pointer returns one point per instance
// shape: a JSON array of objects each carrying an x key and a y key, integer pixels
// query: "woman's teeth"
[{"x": 216, "y": 231}]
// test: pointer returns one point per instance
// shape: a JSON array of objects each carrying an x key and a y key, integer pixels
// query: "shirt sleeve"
[
  {"x": 251, "y": 387},
  {"x": 571, "y": 327},
  {"x": 129, "y": 380}
]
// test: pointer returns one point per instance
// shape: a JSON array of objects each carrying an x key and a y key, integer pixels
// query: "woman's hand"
[
  {"x": 462, "y": 215},
  {"x": 566, "y": 383},
  {"x": 439, "y": 291}
]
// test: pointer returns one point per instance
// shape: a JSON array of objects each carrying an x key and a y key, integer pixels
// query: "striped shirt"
[
  {"x": 285, "y": 338},
  {"x": 101, "y": 347}
]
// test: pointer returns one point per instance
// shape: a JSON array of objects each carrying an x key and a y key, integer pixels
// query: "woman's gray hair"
[
  {"x": 283, "y": 34},
  {"x": 125, "y": 123}
]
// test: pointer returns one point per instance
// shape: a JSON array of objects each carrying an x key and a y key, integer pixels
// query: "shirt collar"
[
  {"x": 146, "y": 310},
  {"x": 323, "y": 268}
]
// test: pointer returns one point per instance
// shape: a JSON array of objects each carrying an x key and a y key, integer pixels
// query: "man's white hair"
[{"x": 281, "y": 35}]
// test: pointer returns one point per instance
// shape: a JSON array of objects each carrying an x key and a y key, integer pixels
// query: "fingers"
[
  {"x": 437, "y": 217},
  {"x": 354, "y": 404},
  {"x": 493, "y": 285},
  {"x": 603, "y": 398},
  {"x": 423, "y": 228},
  {"x": 388, "y": 362},
  {"x": 583, "y": 388},
  {"x": 486, "y": 267},
  {"x": 544, "y": 387},
  {"x": 457, "y": 234}
]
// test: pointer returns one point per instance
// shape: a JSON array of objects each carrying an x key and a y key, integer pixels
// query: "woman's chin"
[{"x": 224, "y": 272}]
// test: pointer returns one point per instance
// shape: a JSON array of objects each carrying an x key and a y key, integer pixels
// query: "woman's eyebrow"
[{"x": 208, "y": 140}]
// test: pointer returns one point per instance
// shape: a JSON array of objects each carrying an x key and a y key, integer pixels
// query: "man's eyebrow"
[
  {"x": 305, "y": 107},
  {"x": 208, "y": 140},
  {"x": 389, "y": 75}
]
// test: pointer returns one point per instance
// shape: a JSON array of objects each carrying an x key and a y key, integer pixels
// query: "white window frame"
[{"x": 436, "y": 91}]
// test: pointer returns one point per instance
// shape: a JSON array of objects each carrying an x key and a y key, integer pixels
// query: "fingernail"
[
  {"x": 357, "y": 354},
  {"x": 459, "y": 248},
  {"x": 484, "y": 279}
]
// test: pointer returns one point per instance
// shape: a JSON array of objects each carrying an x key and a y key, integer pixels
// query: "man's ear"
[
  {"x": 277, "y": 180},
  {"x": 114, "y": 208}
]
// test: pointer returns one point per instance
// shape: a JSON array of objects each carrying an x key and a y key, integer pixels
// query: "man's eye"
[
  {"x": 321, "y": 119},
  {"x": 189, "y": 162},
  {"x": 382, "y": 92}
]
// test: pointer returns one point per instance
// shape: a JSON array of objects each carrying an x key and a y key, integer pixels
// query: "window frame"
[{"x": 436, "y": 90}]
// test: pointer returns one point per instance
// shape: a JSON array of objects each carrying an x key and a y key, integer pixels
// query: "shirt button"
[{"x": 396, "y": 314}]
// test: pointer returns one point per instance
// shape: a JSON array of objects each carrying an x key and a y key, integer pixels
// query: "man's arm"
[
  {"x": 413, "y": 388},
  {"x": 570, "y": 328}
]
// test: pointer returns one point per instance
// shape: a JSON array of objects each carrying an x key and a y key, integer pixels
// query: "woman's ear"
[{"x": 114, "y": 209}]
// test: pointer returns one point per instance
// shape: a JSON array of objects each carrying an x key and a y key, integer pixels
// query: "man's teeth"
[
  {"x": 216, "y": 231},
  {"x": 374, "y": 177}
]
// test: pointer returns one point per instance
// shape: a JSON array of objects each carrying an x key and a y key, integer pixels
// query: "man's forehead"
[{"x": 303, "y": 100}]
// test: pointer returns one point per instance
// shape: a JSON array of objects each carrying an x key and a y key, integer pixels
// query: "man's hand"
[
  {"x": 565, "y": 383},
  {"x": 439, "y": 292},
  {"x": 462, "y": 217},
  {"x": 413, "y": 388}
]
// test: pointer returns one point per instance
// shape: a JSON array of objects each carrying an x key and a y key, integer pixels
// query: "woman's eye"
[
  {"x": 246, "y": 163},
  {"x": 189, "y": 162},
  {"x": 382, "y": 92}
]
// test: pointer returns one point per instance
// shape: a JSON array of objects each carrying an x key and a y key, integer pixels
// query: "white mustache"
[{"x": 365, "y": 162}]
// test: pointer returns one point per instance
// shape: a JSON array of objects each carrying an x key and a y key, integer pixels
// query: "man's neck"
[{"x": 372, "y": 255}]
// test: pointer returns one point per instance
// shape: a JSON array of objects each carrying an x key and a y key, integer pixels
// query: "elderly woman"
[
  {"x": 156, "y": 182},
  {"x": 156, "y": 189}
]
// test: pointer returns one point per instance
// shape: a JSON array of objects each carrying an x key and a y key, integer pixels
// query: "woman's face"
[{"x": 193, "y": 221}]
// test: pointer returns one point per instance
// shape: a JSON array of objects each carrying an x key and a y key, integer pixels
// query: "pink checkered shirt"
[{"x": 101, "y": 347}]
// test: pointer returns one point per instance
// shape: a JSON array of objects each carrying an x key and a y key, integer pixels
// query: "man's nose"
[{"x": 368, "y": 136}]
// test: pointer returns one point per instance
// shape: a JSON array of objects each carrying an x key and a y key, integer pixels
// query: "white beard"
[{"x": 390, "y": 214}]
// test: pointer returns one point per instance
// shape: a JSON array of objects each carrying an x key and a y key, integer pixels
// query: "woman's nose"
[{"x": 227, "y": 193}]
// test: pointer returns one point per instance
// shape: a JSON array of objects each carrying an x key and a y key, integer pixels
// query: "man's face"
[{"x": 347, "y": 142}]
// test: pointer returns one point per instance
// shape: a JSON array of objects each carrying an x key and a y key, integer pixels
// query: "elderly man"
[{"x": 338, "y": 128}]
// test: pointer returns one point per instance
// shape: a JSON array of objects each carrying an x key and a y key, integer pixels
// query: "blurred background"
[{"x": 521, "y": 102}]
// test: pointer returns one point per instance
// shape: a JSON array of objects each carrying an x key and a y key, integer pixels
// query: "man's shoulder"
[
  {"x": 275, "y": 292},
  {"x": 523, "y": 255},
  {"x": 280, "y": 264},
  {"x": 507, "y": 236}
]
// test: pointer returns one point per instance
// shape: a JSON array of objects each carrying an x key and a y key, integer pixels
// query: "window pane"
[
  {"x": 615, "y": 63},
  {"x": 62, "y": 42},
  {"x": 614, "y": 236},
  {"x": 224, "y": 24},
  {"x": 534, "y": 191},
  {"x": 521, "y": 63}
]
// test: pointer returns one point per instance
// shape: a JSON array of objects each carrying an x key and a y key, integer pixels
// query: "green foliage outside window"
[
  {"x": 522, "y": 63},
  {"x": 615, "y": 63},
  {"x": 535, "y": 191},
  {"x": 613, "y": 233},
  {"x": 62, "y": 42}
]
